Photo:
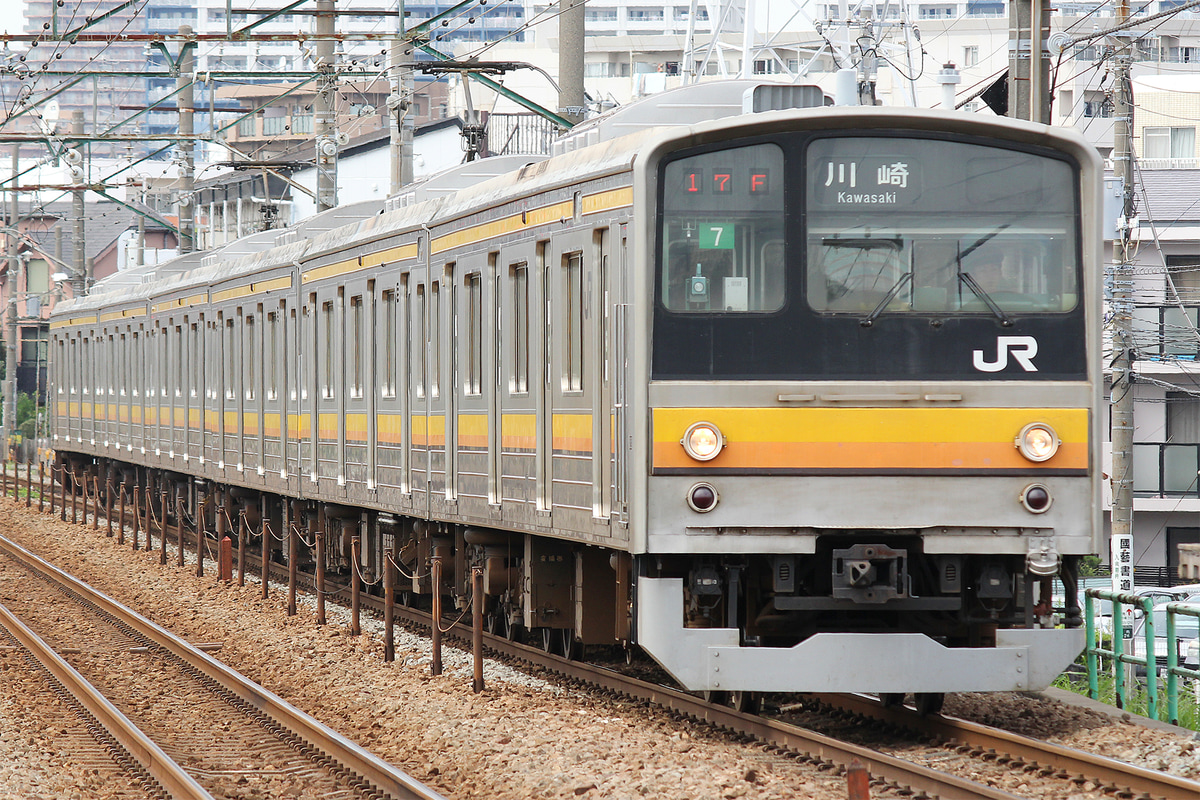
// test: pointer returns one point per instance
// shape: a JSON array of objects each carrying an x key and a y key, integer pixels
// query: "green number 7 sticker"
[{"x": 716, "y": 236}]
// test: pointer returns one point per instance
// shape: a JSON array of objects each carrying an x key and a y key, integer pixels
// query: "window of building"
[
  {"x": 1162, "y": 142},
  {"x": 970, "y": 55}
]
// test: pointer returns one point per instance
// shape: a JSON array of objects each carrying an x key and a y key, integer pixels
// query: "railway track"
[
  {"x": 204, "y": 729},
  {"x": 1022, "y": 752},
  {"x": 1016, "y": 752}
]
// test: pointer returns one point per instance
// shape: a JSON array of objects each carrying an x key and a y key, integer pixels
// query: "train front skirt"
[{"x": 1026, "y": 659}]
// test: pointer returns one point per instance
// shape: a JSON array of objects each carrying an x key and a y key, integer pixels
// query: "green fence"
[{"x": 1154, "y": 668}]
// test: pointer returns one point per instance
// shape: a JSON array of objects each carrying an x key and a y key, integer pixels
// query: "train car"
[{"x": 793, "y": 400}]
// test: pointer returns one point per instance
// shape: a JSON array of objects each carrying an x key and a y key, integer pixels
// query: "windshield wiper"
[
  {"x": 973, "y": 285},
  {"x": 869, "y": 320}
]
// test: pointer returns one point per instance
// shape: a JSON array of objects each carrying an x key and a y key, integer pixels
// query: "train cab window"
[
  {"x": 936, "y": 227},
  {"x": 723, "y": 232}
]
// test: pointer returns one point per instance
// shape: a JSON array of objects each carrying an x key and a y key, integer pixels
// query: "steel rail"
[
  {"x": 1106, "y": 771},
  {"x": 383, "y": 776},
  {"x": 148, "y": 755}
]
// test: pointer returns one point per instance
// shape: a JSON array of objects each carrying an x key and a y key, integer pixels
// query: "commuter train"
[{"x": 798, "y": 399}]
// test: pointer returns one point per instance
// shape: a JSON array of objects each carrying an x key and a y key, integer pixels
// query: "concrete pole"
[
  {"x": 401, "y": 114},
  {"x": 79, "y": 276},
  {"x": 187, "y": 113},
  {"x": 10, "y": 328},
  {"x": 324, "y": 111},
  {"x": 1028, "y": 98},
  {"x": 1122, "y": 306},
  {"x": 571, "y": 28}
]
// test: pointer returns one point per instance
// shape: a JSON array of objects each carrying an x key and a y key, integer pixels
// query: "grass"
[{"x": 1136, "y": 701}]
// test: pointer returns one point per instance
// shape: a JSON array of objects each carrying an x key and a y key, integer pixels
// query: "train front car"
[{"x": 873, "y": 374}]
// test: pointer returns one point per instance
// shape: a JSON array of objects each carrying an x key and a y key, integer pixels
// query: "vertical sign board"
[{"x": 1122, "y": 577}]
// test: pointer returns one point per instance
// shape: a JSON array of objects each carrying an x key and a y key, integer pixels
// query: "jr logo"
[{"x": 1023, "y": 349}]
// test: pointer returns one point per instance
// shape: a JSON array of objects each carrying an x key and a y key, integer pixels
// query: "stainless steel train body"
[{"x": 741, "y": 393}]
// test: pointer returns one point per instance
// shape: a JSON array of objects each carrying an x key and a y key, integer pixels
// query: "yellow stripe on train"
[{"x": 870, "y": 438}]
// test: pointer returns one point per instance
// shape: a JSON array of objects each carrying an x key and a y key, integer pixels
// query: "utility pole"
[
  {"x": 79, "y": 285},
  {"x": 571, "y": 29},
  {"x": 400, "y": 109},
  {"x": 185, "y": 84},
  {"x": 324, "y": 111},
  {"x": 868, "y": 66},
  {"x": 1122, "y": 337},
  {"x": 1028, "y": 74},
  {"x": 10, "y": 327}
]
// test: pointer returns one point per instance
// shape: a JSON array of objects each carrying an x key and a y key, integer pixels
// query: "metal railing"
[
  {"x": 1174, "y": 671},
  {"x": 1117, "y": 653}
]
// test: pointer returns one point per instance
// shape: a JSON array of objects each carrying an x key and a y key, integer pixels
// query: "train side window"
[
  {"x": 388, "y": 387},
  {"x": 472, "y": 381},
  {"x": 327, "y": 323},
  {"x": 519, "y": 374},
  {"x": 572, "y": 379},
  {"x": 356, "y": 346}
]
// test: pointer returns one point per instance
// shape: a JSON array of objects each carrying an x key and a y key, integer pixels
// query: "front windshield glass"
[
  {"x": 723, "y": 232},
  {"x": 935, "y": 227}
]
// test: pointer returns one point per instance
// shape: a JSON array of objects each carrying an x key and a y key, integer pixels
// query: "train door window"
[
  {"x": 326, "y": 379},
  {"x": 227, "y": 345},
  {"x": 122, "y": 369},
  {"x": 177, "y": 367},
  {"x": 356, "y": 346},
  {"x": 308, "y": 339},
  {"x": 419, "y": 340},
  {"x": 518, "y": 382},
  {"x": 197, "y": 360},
  {"x": 472, "y": 381},
  {"x": 250, "y": 349},
  {"x": 271, "y": 356},
  {"x": 388, "y": 386},
  {"x": 572, "y": 380},
  {"x": 133, "y": 385},
  {"x": 435, "y": 338},
  {"x": 62, "y": 359}
]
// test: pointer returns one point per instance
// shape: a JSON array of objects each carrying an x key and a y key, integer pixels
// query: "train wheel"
[
  {"x": 513, "y": 631},
  {"x": 547, "y": 639},
  {"x": 492, "y": 622},
  {"x": 629, "y": 653},
  {"x": 569, "y": 647},
  {"x": 929, "y": 703},
  {"x": 892, "y": 699},
  {"x": 716, "y": 697},
  {"x": 745, "y": 702}
]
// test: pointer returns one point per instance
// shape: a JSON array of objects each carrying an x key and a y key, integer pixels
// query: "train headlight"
[
  {"x": 703, "y": 441},
  {"x": 1037, "y": 442}
]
